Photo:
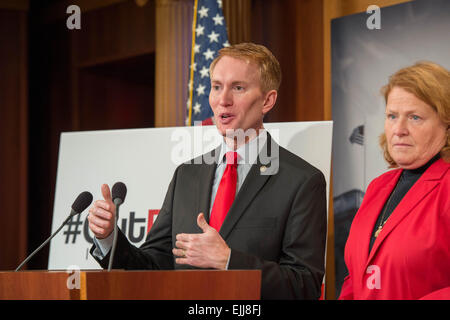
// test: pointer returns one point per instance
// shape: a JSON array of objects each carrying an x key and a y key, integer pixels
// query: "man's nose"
[{"x": 226, "y": 98}]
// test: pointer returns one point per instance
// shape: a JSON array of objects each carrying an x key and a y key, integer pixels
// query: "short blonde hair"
[
  {"x": 269, "y": 67},
  {"x": 429, "y": 82}
]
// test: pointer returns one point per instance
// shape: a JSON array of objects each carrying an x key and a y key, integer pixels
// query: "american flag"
[{"x": 209, "y": 35}]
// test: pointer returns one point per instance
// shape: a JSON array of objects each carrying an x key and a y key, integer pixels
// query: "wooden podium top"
[{"x": 131, "y": 285}]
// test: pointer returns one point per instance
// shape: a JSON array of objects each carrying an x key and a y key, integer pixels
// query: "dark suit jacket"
[{"x": 277, "y": 224}]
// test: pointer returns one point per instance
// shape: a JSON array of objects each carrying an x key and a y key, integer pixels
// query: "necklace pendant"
[{"x": 377, "y": 233}]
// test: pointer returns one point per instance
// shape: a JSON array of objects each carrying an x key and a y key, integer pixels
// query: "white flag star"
[
  {"x": 226, "y": 44},
  {"x": 197, "y": 108},
  {"x": 199, "y": 30},
  {"x": 200, "y": 89},
  {"x": 194, "y": 66},
  {"x": 197, "y": 48},
  {"x": 218, "y": 20},
  {"x": 203, "y": 12},
  {"x": 213, "y": 37},
  {"x": 219, "y": 2},
  {"x": 208, "y": 54},
  {"x": 204, "y": 72}
]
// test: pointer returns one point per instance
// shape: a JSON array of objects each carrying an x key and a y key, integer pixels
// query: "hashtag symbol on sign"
[{"x": 69, "y": 232}]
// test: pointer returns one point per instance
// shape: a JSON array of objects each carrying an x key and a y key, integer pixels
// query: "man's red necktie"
[{"x": 225, "y": 193}]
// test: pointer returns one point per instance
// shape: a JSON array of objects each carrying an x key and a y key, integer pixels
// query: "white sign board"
[{"x": 145, "y": 160}]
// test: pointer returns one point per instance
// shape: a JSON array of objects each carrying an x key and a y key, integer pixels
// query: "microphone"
[
  {"x": 83, "y": 201},
  {"x": 119, "y": 192}
]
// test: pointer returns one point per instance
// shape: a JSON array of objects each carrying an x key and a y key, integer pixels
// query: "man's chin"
[{"x": 226, "y": 130}]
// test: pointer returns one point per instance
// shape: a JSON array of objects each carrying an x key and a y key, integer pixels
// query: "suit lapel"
[
  {"x": 205, "y": 180},
  {"x": 248, "y": 191},
  {"x": 426, "y": 183},
  {"x": 375, "y": 206}
]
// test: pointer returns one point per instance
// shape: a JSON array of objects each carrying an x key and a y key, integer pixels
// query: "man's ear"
[{"x": 269, "y": 101}]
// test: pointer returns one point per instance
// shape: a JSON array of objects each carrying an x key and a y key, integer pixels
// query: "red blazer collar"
[{"x": 427, "y": 182}]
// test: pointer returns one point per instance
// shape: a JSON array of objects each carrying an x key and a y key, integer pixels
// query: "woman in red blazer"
[{"x": 399, "y": 242}]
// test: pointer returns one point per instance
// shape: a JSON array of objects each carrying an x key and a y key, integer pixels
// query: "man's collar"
[{"x": 248, "y": 152}]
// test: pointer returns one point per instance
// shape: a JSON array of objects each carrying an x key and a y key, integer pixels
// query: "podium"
[{"x": 131, "y": 285}]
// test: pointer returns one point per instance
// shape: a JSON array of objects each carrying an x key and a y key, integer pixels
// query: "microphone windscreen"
[
  {"x": 119, "y": 191},
  {"x": 83, "y": 200}
]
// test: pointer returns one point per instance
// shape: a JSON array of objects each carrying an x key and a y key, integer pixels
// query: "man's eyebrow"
[
  {"x": 239, "y": 82},
  {"x": 232, "y": 83}
]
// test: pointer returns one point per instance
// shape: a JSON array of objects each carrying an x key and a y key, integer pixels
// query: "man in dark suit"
[{"x": 254, "y": 206}]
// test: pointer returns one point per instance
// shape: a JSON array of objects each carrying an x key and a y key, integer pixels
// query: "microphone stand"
[
  {"x": 113, "y": 248},
  {"x": 45, "y": 242}
]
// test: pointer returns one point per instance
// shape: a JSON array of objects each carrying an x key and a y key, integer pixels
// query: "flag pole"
[{"x": 191, "y": 76}]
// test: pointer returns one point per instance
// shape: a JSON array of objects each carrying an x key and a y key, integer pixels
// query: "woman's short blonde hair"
[
  {"x": 269, "y": 67},
  {"x": 430, "y": 83}
]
